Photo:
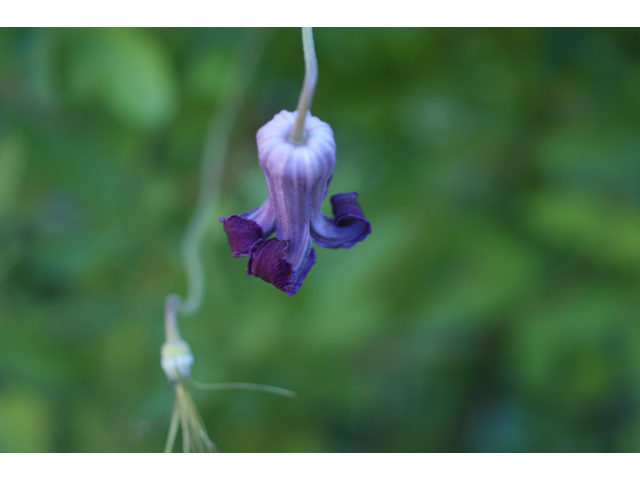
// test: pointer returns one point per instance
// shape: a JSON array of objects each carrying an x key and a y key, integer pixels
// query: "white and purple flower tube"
[{"x": 297, "y": 179}]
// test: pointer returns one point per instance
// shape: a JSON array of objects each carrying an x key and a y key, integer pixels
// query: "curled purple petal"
[
  {"x": 247, "y": 228},
  {"x": 242, "y": 234},
  {"x": 348, "y": 226},
  {"x": 268, "y": 262},
  {"x": 301, "y": 272}
]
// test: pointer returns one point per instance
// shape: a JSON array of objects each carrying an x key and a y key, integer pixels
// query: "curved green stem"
[
  {"x": 171, "y": 330},
  {"x": 297, "y": 134},
  {"x": 215, "y": 152},
  {"x": 214, "y": 155}
]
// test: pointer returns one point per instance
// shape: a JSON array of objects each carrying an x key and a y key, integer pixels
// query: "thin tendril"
[
  {"x": 173, "y": 429},
  {"x": 297, "y": 135},
  {"x": 245, "y": 386},
  {"x": 214, "y": 155},
  {"x": 194, "y": 434},
  {"x": 186, "y": 436}
]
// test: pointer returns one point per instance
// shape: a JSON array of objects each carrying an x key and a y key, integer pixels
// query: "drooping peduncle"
[{"x": 297, "y": 134}]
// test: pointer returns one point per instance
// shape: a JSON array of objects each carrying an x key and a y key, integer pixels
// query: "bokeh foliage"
[{"x": 493, "y": 308}]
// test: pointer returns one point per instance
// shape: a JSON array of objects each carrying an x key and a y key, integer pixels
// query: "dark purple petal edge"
[
  {"x": 268, "y": 262},
  {"x": 347, "y": 209},
  {"x": 242, "y": 234},
  {"x": 347, "y": 213},
  {"x": 300, "y": 274}
]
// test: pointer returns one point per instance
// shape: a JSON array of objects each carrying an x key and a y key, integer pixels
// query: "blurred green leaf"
[
  {"x": 129, "y": 71},
  {"x": 25, "y": 422},
  {"x": 605, "y": 230},
  {"x": 12, "y": 170}
]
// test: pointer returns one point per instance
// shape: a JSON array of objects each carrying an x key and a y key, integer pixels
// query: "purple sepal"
[
  {"x": 242, "y": 234},
  {"x": 347, "y": 209},
  {"x": 300, "y": 274},
  {"x": 268, "y": 262},
  {"x": 348, "y": 227}
]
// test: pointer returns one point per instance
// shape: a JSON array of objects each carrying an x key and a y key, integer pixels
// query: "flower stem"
[
  {"x": 297, "y": 134},
  {"x": 216, "y": 146},
  {"x": 171, "y": 330}
]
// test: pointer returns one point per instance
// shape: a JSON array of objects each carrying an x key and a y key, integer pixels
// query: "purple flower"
[{"x": 297, "y": 179}]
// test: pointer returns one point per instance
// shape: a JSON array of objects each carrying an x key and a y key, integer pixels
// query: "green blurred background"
[{"x": 495, "y": 306}]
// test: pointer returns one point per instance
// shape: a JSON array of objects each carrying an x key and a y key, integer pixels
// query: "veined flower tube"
[{"x": 297, "y": 179}]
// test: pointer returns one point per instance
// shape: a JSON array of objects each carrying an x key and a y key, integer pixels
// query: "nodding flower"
[{"x": 297, "y": 179}]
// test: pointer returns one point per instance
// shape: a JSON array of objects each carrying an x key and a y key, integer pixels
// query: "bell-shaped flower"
[{"x": 297, "y": 180}]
